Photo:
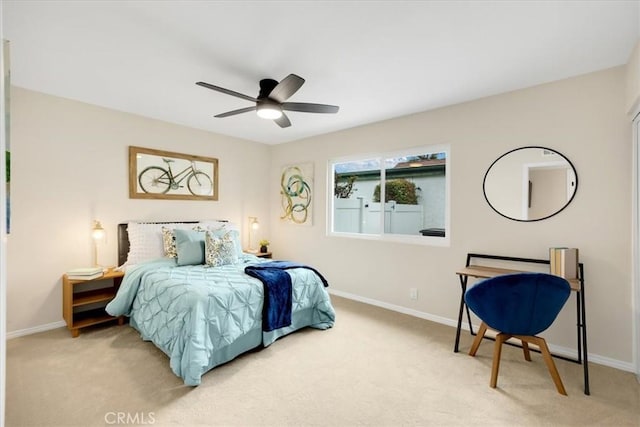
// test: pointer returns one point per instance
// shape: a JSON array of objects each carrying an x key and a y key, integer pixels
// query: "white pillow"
[
  {"x": 145, "y": 241},
  {"x": 213, "y": 224}
]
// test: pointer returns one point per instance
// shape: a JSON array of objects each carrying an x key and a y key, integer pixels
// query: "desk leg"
[
  {"x": 583, "y": 320},
  {"x": 469, "y": 319},
  {"x": 579, "y": 325},
  {"x": 463, "y": 285}
]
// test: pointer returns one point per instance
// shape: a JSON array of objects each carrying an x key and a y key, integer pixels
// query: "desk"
[{"x": 485, "y": 272}]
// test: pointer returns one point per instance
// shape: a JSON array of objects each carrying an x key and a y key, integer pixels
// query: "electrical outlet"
[{"x": 413, "y": 293}]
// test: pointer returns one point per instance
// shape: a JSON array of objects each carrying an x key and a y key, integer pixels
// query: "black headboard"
[
  {"x": 123, "y": 237},
  {"x": 123, "y": 244}
]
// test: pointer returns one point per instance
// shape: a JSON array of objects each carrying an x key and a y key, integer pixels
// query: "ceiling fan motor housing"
[{"x": 266, "y": 86}]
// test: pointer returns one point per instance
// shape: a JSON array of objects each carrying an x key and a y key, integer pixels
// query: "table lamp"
[
  {"x": 253, "y": 226},
  {"x": 97, "y": 233}
]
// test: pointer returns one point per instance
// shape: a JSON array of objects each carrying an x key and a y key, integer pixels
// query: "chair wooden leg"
[
  {"x": 478, "y": 340},
  {"x": 546, "y": 354},
  {"x": 548, "y": 360},
  {"x": 525, "y": 350},
  {"x": 497, "y": 351}
]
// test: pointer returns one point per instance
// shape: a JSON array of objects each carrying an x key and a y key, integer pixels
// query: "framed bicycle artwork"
[{"x": 157, "y": 174}]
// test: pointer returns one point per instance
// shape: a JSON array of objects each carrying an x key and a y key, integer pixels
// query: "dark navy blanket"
[{"x": 278, "y": 298}]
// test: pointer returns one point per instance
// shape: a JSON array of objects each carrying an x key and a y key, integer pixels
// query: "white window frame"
[{"x": 389, "y": 237}]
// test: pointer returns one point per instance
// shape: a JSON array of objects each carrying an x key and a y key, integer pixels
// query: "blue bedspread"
[
  {"x": 202, "y": 317},
  {"x": 276, "y": 311}
]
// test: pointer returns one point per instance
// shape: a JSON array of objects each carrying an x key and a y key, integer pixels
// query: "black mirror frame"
[{"x": 575, "y": 191}]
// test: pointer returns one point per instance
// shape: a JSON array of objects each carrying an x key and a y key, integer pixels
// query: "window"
[{"x": 415, "y": 205}]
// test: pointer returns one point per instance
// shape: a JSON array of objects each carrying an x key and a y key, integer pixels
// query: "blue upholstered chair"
[{"x": 520, "y": 306}]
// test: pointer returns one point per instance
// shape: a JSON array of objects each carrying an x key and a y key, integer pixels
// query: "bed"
[{"x": 204, "y": 314}]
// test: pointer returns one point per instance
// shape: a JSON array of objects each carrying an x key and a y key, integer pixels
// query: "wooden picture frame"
[{"x": 158, "y": 174}]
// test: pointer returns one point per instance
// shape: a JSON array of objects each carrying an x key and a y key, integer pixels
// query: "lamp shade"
[
  {"x": 253, "y": 227},
  {"x": 97, "y": 232}
]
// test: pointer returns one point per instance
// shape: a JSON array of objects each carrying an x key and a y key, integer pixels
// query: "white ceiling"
[{"x": 376, "y": 60}]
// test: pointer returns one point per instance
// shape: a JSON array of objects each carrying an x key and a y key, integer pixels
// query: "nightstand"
[
  {"x": 83, "y": 301},
  {"x": 263, "y": 254}
]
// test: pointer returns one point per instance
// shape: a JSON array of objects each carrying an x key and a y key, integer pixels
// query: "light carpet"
[{"x": 374, "y": 367}]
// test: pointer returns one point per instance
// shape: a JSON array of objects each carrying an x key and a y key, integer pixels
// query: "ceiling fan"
[{"x": 270, "y": 101}]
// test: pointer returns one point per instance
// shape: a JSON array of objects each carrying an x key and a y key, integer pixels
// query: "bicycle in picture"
[{"x": 158, "y": 180}]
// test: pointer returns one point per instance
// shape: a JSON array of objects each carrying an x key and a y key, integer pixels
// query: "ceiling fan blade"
[
  {"x": 227, "y": 91},
  {"x": 234, "y": 112},
  {"x": 287, "y": 87},
  {"x": 283, "y": 121},
  {"x": 310, "y": 108}
]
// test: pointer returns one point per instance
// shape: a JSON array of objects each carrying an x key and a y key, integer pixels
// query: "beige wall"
[
  {"x": 70, "y": 166},
  {"x": 583, "y": 118}
]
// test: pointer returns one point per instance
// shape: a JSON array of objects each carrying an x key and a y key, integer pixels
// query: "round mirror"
[{"x": 530, "y": 183}]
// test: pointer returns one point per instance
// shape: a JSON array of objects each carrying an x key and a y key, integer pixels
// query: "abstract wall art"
[{"x": 296, "y": 191}]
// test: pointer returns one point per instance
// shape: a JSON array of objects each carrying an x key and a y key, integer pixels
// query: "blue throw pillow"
[{"x": 190, "y": 247}]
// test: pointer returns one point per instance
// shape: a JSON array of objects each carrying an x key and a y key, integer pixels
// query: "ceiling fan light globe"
[{"x": 269, "y": 111}]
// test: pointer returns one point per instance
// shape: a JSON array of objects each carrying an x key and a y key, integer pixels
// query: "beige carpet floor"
[{"x": 375, "y": 367}]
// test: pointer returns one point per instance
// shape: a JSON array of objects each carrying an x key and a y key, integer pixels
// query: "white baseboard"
[
  {"x": 36, "y": 329},
  {"x": 562, "y": 351},
  {"x": 393, "y": 307}
]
